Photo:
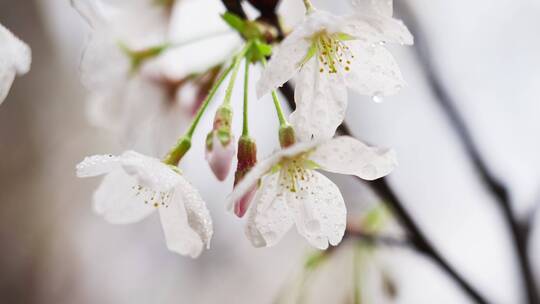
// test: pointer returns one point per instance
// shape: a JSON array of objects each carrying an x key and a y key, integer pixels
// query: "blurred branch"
[
  {"x": 417, "y": 237},
  {"x": 381, "y": 188},
  {"x": 519, "y": 230}
]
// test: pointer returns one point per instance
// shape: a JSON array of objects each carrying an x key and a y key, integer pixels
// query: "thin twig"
[
  {"x": 418, "y": 240},
  {"x": 417, "y": 237},
  {"x": 519, "y": 231}
]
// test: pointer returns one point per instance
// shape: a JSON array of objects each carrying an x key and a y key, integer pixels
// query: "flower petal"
[
  {"x": 15, "y": 60},
  {"x": 14, "y": 52},
  {"x": 347, "y": 155},
  {"x": 119, "y": 200},
  {"x": 321, "y": 101},
  {"x": 263, "y": 167},
  {"x": 319, "y": 211},
  {"x": 179, "y": 236},
  {"x": 251, "y": 179},
  {"x": 269, "y": 216},
  {"x": 7, "y": 75},
  {"x": 150, "y": 172},
  {"x": 198, "y": 215},
  {"x": 373, "y": 71},
  {"x": 97, "y": 165},
  {"x": 288, "y": 56},
  {"x": 284, "y": 64},
  {"x": 383, "y": 7},
  {"x": 374, "y": 29}
]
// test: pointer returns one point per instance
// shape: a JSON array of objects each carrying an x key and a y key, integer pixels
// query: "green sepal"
[
  {"x": 311, "y": 52},
  {"x": 138, "y": 57},
  {"x": 275, "y": 168},
  {"x": 315, "y": 260},
  {"x": 344, "y": 37},
  {"x": 235, "y": 22},
  {"x": 374, "y": 220},
  {"x": 311, "y": 165}
]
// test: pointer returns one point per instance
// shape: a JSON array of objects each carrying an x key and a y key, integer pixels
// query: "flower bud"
[
  {"x": 287, "y": 137},
  {"x": 219, "y": 148},
  {"x": 247, "y": 158}
]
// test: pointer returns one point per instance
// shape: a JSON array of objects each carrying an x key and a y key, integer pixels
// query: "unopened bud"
[
  {"x": 287, "y": 137},
  {"x": 247, "y": 158},
  {"x": 219, "y": 144}
]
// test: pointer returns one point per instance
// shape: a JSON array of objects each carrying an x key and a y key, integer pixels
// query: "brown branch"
[{"x": 518, "y": 230}]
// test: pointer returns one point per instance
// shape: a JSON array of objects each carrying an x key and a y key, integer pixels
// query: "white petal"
[
  {"x": 288, "y": 56},
  {"x": 15, "y": 58},
  {"x": 97, "y": 165},
  {"x": 119, "y": 200},
  {"x": 14, "y": 52},
  {"x": 7, "y": 75},
  {"x": 264, "y": 167},
  {"x": 321, "y": 101},
  {"x": 179, "y": 236},
  {"x": 250, "y": 179},
  {"x": 373, "y": 71},
  {"x": 373, "y": 29},
  {"x": 198, "y": 215},
  {"x": 269, "y": 216},
  {"x": 347, "y": 155},
  {"x": 383, "y": 7},
  {"x": 149, "y": 171},
  {"x": 319, "y": 211}
]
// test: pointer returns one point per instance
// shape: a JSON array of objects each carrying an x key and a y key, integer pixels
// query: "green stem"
[
  {"x": 282, "y": 120},
  {"x": 184, "y": 143},
  {"x": 232, "y": 80},
  {"x": 245, "y": 127},
  {"x": 309, "y": 6}
]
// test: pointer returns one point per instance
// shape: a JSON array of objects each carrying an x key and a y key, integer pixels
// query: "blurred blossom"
[{"x": 15, "y": 58}]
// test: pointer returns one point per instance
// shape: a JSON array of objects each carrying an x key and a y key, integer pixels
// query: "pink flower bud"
[
  {"x": 219, "y": 155},
  {"x": 247, "y": 158},
  {"x": 219, "y": 144}
]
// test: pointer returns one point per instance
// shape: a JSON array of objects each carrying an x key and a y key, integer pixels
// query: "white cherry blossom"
[
  {"x": 332, "y": 53},
  {"x": 292, "y": 192},
  {"x": 15, "y": 58},
  {"x": 136, "y": 185},
  {"x": 134, "y": 72}
]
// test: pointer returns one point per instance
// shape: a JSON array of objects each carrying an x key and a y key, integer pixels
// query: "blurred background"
[{"x": 484, "y": 53}]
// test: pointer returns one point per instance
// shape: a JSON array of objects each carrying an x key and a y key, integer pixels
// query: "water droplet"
[{"x": 377, "y": 97}]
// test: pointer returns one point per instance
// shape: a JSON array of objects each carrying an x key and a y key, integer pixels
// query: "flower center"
[
  {"x": 295, "y": 170},
  {"x": 151, "y": 197},
  {"x": 333, "y": 53}
]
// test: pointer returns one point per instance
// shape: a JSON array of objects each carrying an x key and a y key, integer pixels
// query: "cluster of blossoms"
[
  {"x": 127, "y": 72},
  {"x": 15, "y": 58}
]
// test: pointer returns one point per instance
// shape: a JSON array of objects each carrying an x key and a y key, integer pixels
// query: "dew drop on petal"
[{"x": 377, "y": 97}]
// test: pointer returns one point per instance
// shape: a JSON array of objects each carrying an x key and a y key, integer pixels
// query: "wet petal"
[
  {"x": 97, "y": 165},
  {"x": 321, "y": 101},
  {"x": 198, "y": 215},
  {"x": 290, "y": 53},
  {"x": 120, "y": 200},
  {"x": 319, "y": 211},
  {"x": 269, "y": 217},
  {"x": 373, "y": 71},
  {"x": 373, "y": 29},
  {"x": 347, "y": 155},
  {"x": 179, "y": 236},
  {"x": 149, "y": 171},
  {"x": 382, "y": 7}
]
